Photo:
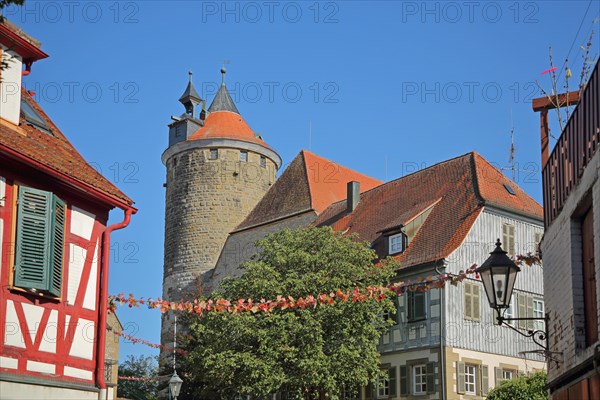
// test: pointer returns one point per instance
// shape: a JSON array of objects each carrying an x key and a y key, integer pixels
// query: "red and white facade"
[{"x": 51, "y": 346}]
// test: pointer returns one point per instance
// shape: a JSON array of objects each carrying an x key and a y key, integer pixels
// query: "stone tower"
[{"x": 217, "y": 171}]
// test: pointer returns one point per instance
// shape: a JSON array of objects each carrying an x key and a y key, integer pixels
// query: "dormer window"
[
  {"x": 396, "y": 243},
  {"x": 33, "y": 118}
]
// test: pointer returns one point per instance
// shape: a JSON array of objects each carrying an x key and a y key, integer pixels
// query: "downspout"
[
  {"x": 101, "y": 335},
  {"x": 442, "y": 350}
]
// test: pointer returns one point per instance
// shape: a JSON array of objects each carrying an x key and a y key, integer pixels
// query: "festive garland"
[
  {"x": 135, "y": 378},
  {"x": 134, "y": 339},
  {"x": 377, "y": 293}
]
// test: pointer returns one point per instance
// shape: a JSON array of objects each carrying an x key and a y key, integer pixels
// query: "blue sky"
[{"x": 387, "y": 87}]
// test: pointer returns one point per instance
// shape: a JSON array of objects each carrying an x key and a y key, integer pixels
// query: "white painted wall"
[
  {"x": 21, "y": 391},
  {"x": 10, "y": 87}
]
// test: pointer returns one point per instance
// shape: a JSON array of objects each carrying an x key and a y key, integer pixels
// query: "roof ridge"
[{"x": 475, "y": 178}]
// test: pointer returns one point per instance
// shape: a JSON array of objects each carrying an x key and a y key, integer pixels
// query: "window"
[
  {"x": 420, "y": 379},
  {"x": 538, "y": 312},
  {"x": 505, "y": 374},
  {"x": 470, "y": 379},
  {"x": 33, "y": 118},
  {"x": 471, "y": 301},
  {"x": 243, "y": 156},
  {"x": 396, "y": 243},
  {"x": 416, "y": 306},
  {"x": 508, "y": 312},
  {"x": 386, "y": 385},
  {"x": 508, "y": 239},
  {"x": 40, "y": 240},
  {"x": 214, "y": 154},
  {"x": 383, "y": 387},
  {"x": 263, "y": 162}
]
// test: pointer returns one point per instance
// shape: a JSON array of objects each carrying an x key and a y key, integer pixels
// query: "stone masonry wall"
[
  {"x": 563, "y": 288},
  {"x": 205, "y": 200},
  {"x": 240, "y": 247}
]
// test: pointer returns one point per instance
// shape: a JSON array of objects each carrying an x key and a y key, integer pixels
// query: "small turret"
[{"x": 186, "y": 124}]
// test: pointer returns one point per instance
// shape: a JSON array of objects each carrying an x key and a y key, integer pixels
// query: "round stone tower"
[{"x": 217, "y": 171}]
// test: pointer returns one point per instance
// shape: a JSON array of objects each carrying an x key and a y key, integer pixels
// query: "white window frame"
[
  {"x": 510, "y": 311},
  {"x": 507, "y": 374},
  {"x": 383, "y": 387},
  {"x": 538, "y": 312},
  {"x": 470, "y": 373},
  {"x": 396, "y": 243},
  {"x": 243, "y": 156},
  {"x": 419, "y": 371}
]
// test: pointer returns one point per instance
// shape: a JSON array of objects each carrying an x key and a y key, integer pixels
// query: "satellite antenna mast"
[{"x": 511, "y": 157}]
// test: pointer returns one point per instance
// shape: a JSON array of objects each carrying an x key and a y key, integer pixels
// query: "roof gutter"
[
  {"x": 79, "y": 185},
  {"x": 102, "y": 307}
]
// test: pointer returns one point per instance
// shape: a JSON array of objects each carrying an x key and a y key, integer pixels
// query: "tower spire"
[{"x": 190, "y": 97}]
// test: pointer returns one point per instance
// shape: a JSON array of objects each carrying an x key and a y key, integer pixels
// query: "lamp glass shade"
[
  {"x": 175, "y": 385},
  {"x": 498, "y": 275}
]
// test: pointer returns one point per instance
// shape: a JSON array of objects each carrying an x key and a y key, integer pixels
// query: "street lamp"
[
  {"x": 175, "y": 385},
  {"x": 175, "y": 381},
  {"x": 498, "y": 275}
]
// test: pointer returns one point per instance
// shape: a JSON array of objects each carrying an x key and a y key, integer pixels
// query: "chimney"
[{"x": 353, "y": 196}]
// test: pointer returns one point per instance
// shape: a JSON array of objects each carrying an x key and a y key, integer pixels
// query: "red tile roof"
[
  {"x": 56, "y": 153},
  {"x": 458, "y": 189},
  {"x": 227, "y": 125},
  {"x": 310, "y": 182},
  {"x": 327, "y": 180}
]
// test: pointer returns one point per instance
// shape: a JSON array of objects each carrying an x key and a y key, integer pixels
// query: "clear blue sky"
[{"x": 413, "y": 83}]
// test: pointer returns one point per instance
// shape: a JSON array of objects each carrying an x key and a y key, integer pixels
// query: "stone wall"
[
  {"x": 205, "y": 200},
  {"x": 563, "y": 286},
  {"x": 240, "y": 246}
]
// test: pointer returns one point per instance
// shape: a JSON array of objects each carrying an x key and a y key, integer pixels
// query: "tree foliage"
[
  {"x": 308, "y": 353},
  {"x": 138, "y": 367},
  {"x": 529, "y": 387}
]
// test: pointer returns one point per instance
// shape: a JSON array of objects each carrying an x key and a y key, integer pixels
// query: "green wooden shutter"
[
  {"x": 430, "y": 377},
  {"x": 475, "y": 305},
  {"x": 370, "y": 391},
  {"x": 420, "y": 306},
  {"x": 393, "y": 381},
  {"x": 57, "y": 245},
  {"x": 522, "y": 306},
  {"x": 397, "y": 307},
  {"x": 468, "y": 301},
  {"x": 460, "y": 375},
  {"x": 403, "y": 380},
  {"x": 498, "y": 376},
  {"x": 529, "y": 303},
  {"x": 33, "y": 239},
  {"x": 485, "y": 384},
  {"x": 410, "y": 306}
]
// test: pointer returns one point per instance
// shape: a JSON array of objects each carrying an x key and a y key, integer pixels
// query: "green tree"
[
  {"x": 138, "y": 367},
  {"x": 308, "y": 353},
  {"x": 529, "y": 387}
]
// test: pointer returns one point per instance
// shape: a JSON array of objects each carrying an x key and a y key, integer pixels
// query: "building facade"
[
  {"x": 443, "y": 219},
  {"x": 55, "y": 243},
  {"x": 571, "y": 248}
]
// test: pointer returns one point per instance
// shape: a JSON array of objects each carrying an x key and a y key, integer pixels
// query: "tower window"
[
  {"x": 243, "y": 156},
  {"x": 263, "y": 162},
  {"x": 214, "y": 154}
]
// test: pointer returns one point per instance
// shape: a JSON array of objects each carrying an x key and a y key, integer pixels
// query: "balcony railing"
[{"x": 573, "y": 150}]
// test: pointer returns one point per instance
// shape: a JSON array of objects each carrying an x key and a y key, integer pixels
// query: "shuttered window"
[
  {"x": 472, "y": 293},
  {"x": 39, "y": 241},
  {"x": 416, "y": 306},
  {"x": 508, "y": 239},
  {"x": 525, "y": 309}
]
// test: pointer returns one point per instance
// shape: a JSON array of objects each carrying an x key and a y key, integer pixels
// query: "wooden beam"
[{"x": 549, "y": 103}]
